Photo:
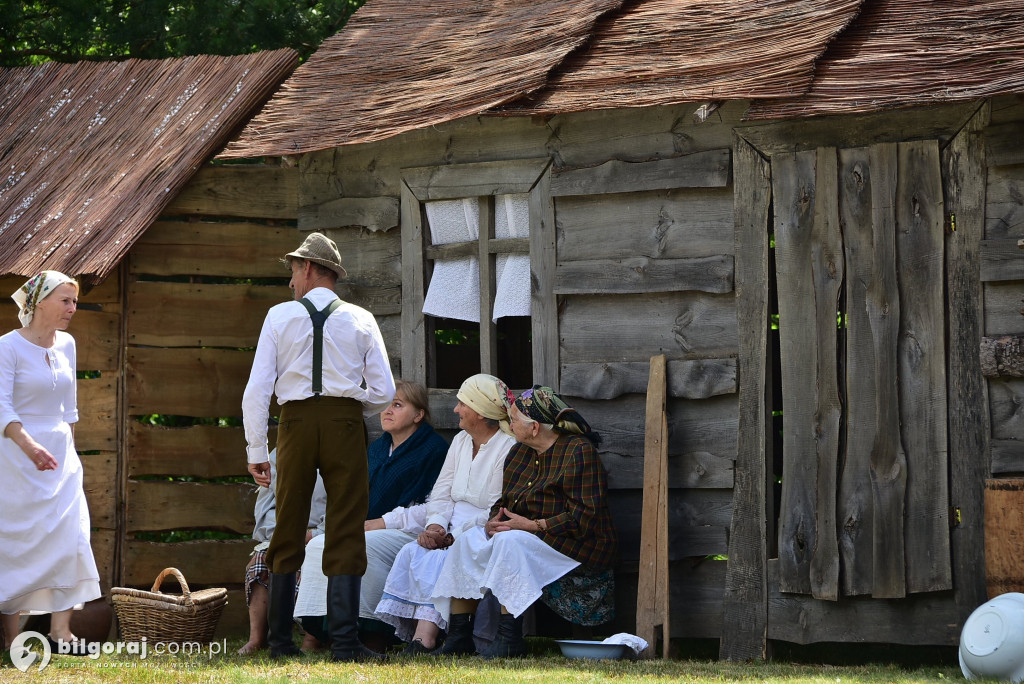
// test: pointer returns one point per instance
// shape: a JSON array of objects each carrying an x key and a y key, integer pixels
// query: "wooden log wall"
[
  {"x": 97, "y": 331},
  {"x": 1002, "y": 275},
  {"x": 643, "y": 215},
  {"x": 199, "y": 283}
]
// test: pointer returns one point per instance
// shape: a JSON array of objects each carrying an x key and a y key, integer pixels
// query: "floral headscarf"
[
  {"x": 35, "y": 290},
  {"x": 544, "y": 406},
  {"x": 488, "y": 396}
]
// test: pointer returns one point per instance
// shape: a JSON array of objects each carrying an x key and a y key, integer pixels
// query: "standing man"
[{"x": 326, "y": 381}]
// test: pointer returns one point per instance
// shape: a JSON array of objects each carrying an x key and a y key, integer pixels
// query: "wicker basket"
[{"x": 166, "y": 618}]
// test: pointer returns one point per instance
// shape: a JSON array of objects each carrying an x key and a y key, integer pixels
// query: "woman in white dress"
[
  {"x": 46, "y": 563},
  {"x": 469, "y": 483}
]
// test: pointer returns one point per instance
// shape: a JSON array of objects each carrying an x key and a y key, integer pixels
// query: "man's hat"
[{"x": 319, "y": 249}]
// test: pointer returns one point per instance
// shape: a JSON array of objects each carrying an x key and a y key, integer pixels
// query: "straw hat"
[{"x": 319, "y": 249}]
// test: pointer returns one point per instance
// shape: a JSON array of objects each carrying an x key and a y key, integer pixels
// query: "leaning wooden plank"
[
  {"x": 887, "y": 460},
  {"x": 696, "y": 379},
  {"x": 205, "y": 562},
  {"x": 204, "y": 451},
  {"x": 506, "y": 177},
  {"x": 1002, "y": 259},
  {"x": 154, "y": 506},
  {"x": 793, "y": 194},
  {"x": 920, "y": 246},
  {"x": 871, "y": 352},
  {"x": 963, "y": 166},
  {"x": 153, "y": 383},
  {"x": 372, "y": 213},
  {"x": 709, "y": 169},
  {"x": 827, "y": 270},
  {"x": 187, "y": 315},
  {"x": 642, "y": 274},
  {"x": 917, "y": 620},
  {"x": 231, "y": 250},
  {"x": 680, "y": 223},
  {"x": 414, "y": 337},
  {"x": 604, "y": 328},
  {"x": 654, "y": 525},
  {"x": 745, "y": 603},
  {"x": 248, "y": 191}
]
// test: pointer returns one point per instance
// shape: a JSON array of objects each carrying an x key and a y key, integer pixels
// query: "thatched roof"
[
  {"x": 901, "y": 53},
  {"x": 666, "y": 51},
  {"x": 400, "y": 65},
  {"x": 409, "y": 64},
  {"x": 92, "y": 152}
]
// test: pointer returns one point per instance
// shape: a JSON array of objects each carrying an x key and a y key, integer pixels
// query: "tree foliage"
[{"x": 35, "y": 31}]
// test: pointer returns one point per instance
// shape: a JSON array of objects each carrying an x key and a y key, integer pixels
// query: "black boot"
[
  {"x": 460, "y": 636},
  {"x": 509, "y": 642},
  {"x": 342, "y": 616},
  {"x": 280, "y": 605}
]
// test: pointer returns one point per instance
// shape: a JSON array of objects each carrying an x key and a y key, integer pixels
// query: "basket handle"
[{"x": 186, "y": 594}]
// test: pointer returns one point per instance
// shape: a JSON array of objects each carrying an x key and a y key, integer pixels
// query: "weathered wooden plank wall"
[
  {"x": 199, "y": 283},
  {"x": 641, "y": 264}
]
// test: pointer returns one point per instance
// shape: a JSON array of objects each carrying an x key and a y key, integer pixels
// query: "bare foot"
[
  {"x": 252, "y": 646},
  {"x": 310, "y": 643}
]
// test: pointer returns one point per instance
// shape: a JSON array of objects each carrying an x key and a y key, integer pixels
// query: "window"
[{"x": 478, "y": 259}]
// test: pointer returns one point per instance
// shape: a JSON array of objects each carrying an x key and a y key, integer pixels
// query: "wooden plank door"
[{"x": 859, "y": 261}]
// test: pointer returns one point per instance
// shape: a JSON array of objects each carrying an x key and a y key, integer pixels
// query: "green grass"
[{"x": 546, "y": 666}]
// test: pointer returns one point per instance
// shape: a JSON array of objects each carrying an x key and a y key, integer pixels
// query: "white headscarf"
[
  {"x": 488, "y": 396},
  {"x": 35, "y": 290}
]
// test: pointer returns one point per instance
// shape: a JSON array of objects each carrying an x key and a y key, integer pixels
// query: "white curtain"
[{"x": 454, "y": 290}]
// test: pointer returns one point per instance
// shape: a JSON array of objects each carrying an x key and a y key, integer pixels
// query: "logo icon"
[{"x": 23, "y": 658}]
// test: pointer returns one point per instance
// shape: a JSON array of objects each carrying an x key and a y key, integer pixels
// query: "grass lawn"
[{"x": 546, "y": 665}]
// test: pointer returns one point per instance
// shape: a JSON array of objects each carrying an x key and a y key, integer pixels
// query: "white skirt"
[
  {"x": 407, "y": 591},
  {"x": 514, "y": 565},
  {"x": 46, "y": 562}
]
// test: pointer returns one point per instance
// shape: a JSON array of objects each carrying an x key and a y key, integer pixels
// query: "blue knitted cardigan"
[{"x": 407, "y": 477}]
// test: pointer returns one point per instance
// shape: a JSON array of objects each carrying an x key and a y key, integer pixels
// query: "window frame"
[{"x": 483, "y": 181}]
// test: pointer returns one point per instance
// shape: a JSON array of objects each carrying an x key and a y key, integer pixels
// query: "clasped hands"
[
  {"x": 435, "y": 537},
  {"x": 506, "y": 520}
]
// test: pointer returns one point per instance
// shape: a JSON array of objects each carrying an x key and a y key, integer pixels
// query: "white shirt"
[
  {"x": 355, "y": 363},
  {"x": 463, "y": 479}
]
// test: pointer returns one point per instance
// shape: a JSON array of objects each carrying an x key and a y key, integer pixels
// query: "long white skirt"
[
  {"x": 46, "y": 562},
  {"x": 514, "y": 565},
  {"x": 406, "y": 596}
]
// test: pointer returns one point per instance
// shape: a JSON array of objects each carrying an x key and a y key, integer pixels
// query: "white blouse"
[
  {"x": 37, "y": 382},
  {"x": 463, "y": 479}
]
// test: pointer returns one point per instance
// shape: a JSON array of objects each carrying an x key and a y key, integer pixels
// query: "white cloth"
[
  {"x": 514, "y": 565},
  {"x": 46, "y": 562},
  {"x": 353, "y": 352},
  {"x": 459, "y": 221},
  {"x": 637, "y": 644},
  {"x": 266, "y": 506},
  {"x": 381, "y": 548}
]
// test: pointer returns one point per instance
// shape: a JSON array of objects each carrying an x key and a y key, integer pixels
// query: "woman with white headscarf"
[
  {"x": 469, "y": 483},
  {"x": 46, "y": 562}
]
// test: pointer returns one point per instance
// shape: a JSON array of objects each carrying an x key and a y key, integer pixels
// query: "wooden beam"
[
  {"x": 231, "y": 250},
  {"x": 487, "y": 264},
  {"x": 414, "y": 333},
  {"x": 1002, "y": 259},
  {"x": 234, "y": 190},
  {"x": 644, "y": 274},
  {"x": 963, "y": 162},
  {"x": 506, "y": 177},
  {"x": 745, "y": 602},
  {"x": 708, "y": 169},
  {"x": 543, "y": 301},
  {"x": 372, "y": 213},
  {"x": 652, "y": 609},
  {"x": 696, "y": 379}
]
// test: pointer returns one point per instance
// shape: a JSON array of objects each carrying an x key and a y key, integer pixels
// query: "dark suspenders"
[{"x": 319, "y": 318}]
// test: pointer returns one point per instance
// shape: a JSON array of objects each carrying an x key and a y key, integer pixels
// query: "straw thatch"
[
  {"x": 902, "y": 53},
  {"x": 92, "y": 152},
  {"x": 665, "y": 51},
  {"x": 400, "y": 65}
]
